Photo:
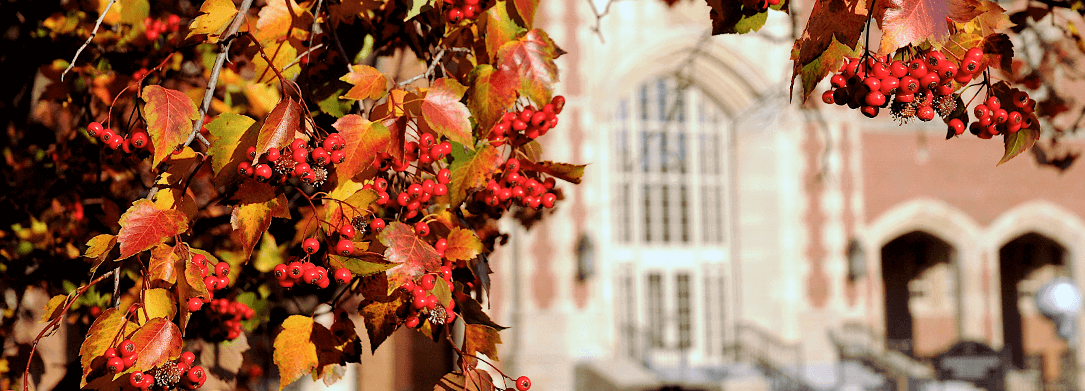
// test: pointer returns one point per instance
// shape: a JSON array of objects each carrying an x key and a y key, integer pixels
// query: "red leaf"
[
  {"x": 500, "y": 28},
  {"x": 415, "y": 256},
  {"x": 910, "y": 22},
  {"x": 295, "y": 353},
  {"x": 170, "y": 114},
  {"x": 842, "y": 20},
  {"x": 445, "y": 114},
  {"x": 471, "y": 170},
  {"x": 144, "y": 226},
  {"x": 526, "y": 10},
  {"x": 157, "y": 341},
  {"x": 532, "y": 57},
  {"x": 491, "y": 95},
  {"x": 365, "y": 140},
  {"x": 369, "y": 83},
  {"x": 280, "y": 127}
]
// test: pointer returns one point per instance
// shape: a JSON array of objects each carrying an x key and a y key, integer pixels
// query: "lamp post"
[{"x": 1060, "y": 301}]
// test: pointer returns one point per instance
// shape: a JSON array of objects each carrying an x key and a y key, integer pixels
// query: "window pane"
[
  {"x": 664, "y": 209},
  {"x": 644, "y": 102},
  {"x": 685, "y": 214},
  {"x": 682, "y": 155},
  {"x": 685, "y": 317},
  {"x": 661, "y": 98},
  {"x": 647, "y": 213},
  {"x": 718, "y": 198},
  {"x": 665, "y": 158},
  {"x": 655, "y": 310}
]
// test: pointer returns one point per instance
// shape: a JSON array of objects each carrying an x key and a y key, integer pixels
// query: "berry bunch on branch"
[{"x": 269, "y": 174}]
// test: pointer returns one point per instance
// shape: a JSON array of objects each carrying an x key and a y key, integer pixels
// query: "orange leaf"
[
  {"x": 214, "y": 17},
  {"x": 478, "y": 338},
  {"x": 462, "y": 245},
  {"x": 500, "y": 28},
  {"x": 295, "y": 353},
  {"x": 532, "y": 58},
  {"x": 415, "y": 256},
  {"x": 162, "y": 266},
  {"x": 444, "y": 112},
  {"x": 471, "y": 171},
  {"x": 491, "y": 95},
  {"x": 104, "y": 333},
  {"x": 144, "y": 226},
  {"x": 53, "y": 307},
  {"x": 192, "y": 284},
  {"x": 157, "y": 341},
  {"x": 169, "y": 114},
  {"x": 280, "y": 18},
  {"x": 280, "y": 127},
  {"x": 250, "y": 220},
  {"x": 369, "y": 83},
  {"x": 910, "y": 22},
  {"x": 365, "y": 140}
]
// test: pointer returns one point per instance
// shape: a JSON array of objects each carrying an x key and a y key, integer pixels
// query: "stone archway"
[{"x": 920, "y": 280}]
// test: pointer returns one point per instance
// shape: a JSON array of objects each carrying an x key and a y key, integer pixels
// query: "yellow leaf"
[
  {"x": 53, "y": 307},
  {"x": 279, "y": 18},
  {"x": 281, "y": 55},
  {"x": 294, "y": 352},
  {"x": 159, "y": 304},
  {"x": 215, "y": 16}
]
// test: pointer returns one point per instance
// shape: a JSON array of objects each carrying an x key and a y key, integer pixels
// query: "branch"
[
  {"x": 428, "y": 72},
  {"x": 93, "y": 33},
  {"x": 599, "y": 17}
]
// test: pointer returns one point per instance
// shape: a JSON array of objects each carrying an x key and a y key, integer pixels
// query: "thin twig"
[
  {"x": 298, "y": 58},
  {"x": 428, "y": 72},
  {"x": 599, "y": 18},
  {"x": 93, "y": 33}
]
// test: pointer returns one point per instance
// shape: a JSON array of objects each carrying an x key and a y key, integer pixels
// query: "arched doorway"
[
  {"x": 1026, "y": 263},
  {"x": 920, "y": 280}
]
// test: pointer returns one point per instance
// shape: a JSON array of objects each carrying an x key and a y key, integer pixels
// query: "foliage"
[{"x": 233, "y": 167}]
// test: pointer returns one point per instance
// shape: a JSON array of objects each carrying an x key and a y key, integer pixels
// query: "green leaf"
[
  {"x": 362, "y": 264},
  {"x": 230, "y": 135},
  {"x": 134, "y": 11},
  {"x": 269, "y": 254},
  {"x": 500, "y": 28},
  {"x": 1020, "y": 141},
  {"x": 471, "y": 170}
]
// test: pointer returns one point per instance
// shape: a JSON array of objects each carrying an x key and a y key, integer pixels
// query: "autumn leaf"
[
  {"x": 472, "y": 313},
  {"x": 445, "y": 114},
  {"x": 500, "y": 28},
  {"x": 169, "y": 115},
  {"x": 1021, "y": 141},
  {"x": 280, "y": 19},
  {"x": 731, "y": 17},
  {"x": 53, "y": 308},
  {"x": 414, "y": 256},
  {"x": 294, "y": 352},
  {"x": 281, "y": 54},
  {"x": 462, "y": 245},
  {"x": 476, "y": 380},
  {"x": 992, "y": 19},
  {"x": 250, "y": 220},
  {"x": 828, "y": 61},
  {"x": 342, "y": 211},
  {"x": 532, "y": 58},
  {"x": 567, "y": 172},
  {"x": 280, "y": 127},
  {"x": 230, "y": 135},
  {"x": 379, "y": 312},
  {"x": 364, "y": 142},
  {"x": 471, "y": 170},
  {"x": 98, "y": 248},
  {"x": 214, "y": 17},
  {"x": 417, "y": 7},
  {"x": 362, "y": 264},
  {"x": 839, "y": 20},
  {"x": 368, "y": 83},
  {"x": 134, "y": 11},
  {"x": 157, "y": 341},
  {"x": 491, "y": 95},
  {"x": 158, "y": 303},
  {"x": 192, "y": 284},
  {"x": 144, "y": 226},
  {"x": 911, "y": 22},
  {"x": 163, "y": 263},
  {"x": 103, "y": 334},
  {"x": 526, "y": 10},
  {"x": 998, "y": 50},
  {"x": 478, "y": 338}
]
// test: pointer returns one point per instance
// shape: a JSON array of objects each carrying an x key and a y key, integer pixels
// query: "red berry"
[
  {"x": 957, "y": 126},
  {"x": 917, "y": 69},
  {"x": 838, "y": 81},
  {"x": 343, "y": 275},
  {"x": 310, "y": 245},
  {"x": 244, "y": 169},
  {"x": 993, "y": 103},
  {"x": 338, "y": 157},
  {"x": 421, "y": 228},
  {"x": 127, "y": 348},
  {"x": 925, "y": 113},
  {"x": 94, "y": 129},
  {"x": 311, "y": 276},
  {"x": 106, "y": 135},
  {"x": 196, "y": 375},
  {"x": 344, "y": 247},
  {"x": 273, "y": 154},
  {"x": 320, "y": 156},
  {"x": 136, "y": 379},
  {"x": 222, "y": 269},
  {"x": 827, "y": 97},
  {"x": 974, "y": 53},
  {"x": 110, "y": 353},
  {"x": 194, "y": 304},
  {"x": 188, "y": 358},
  {"x": 114, "y": 365},
  {"x": 130, "y": 360},
  {"x": 870, "y": 111},
  {"x": 376, "y": 224},
  {"x": 346, "y": 231},
  {"x": 875, "y": 98},
  {"x": 251, "y": 153},
  {"x": 412, "y": 321},
  {"x": 898, "y": 69},
  {"x": 262, "y": 172},
  {"x": 280, "y": 271},
  {"x": 455, "y": 15},
  {"x": 523, "y": 383},
  {"x": 139, "y": 139},
  {"x": 441, "y": 244}
]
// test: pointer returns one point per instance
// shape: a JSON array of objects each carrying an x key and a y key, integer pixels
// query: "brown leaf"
[
  {"x": 476, "y": 380},
  {"x": 381, "y": 312},
  {"x": 842, "y": 20},
  {"x": 144, "y": 226},
  {"x": 164, "y": 259},
  {"x": 564, "y": 171},
  {"x": 479, "y": 338}
]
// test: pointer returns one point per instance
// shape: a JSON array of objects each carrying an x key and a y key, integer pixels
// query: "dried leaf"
[
  {"x": 365, "y": 140},
  {"x": 214, "y": 17},
  {"x": 163, "y": 264},
  {"x": 476, "y": 380},
  {"x": 483, "y": 339},
  {"x": 414, "y": 256},
  {"x": 567, "y": 172},
  {"x": 462, "y": 245},
  {"x": 380, "y": 311},
  {"x": 294, "y": 352},
  {"x": 445, "y": 114},
  {"x": 144, "y": 226},
  {"x": 369, "y": 83},
  {"x": 532, "y": 58},
  {"x": 170, "y": 114}
]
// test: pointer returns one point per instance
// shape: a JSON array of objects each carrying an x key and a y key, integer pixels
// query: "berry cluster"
[
  {"x": 919, "y": 88},
  {"x": 215, "y": 280},
  {"x": 527, "y": 124},
  {"x": 424, "y": 303},
  {"x": 153, "y": 28},
  {"x": 180, "y": 374},
  {"x": 462, "y": 9},
  {"x": 994, "y": 118},
  {"x": 129, "y": 144},
  {"x": 414, "y": 197},
  {"x": 300, "y": 160},
  {"x": 515, "y": 185},
  {"x": 425, "y": 151},
  {"x": 122, "y": 357},
  {"x": 304, "y": 272},
  {"x": 225, "y": 318}
]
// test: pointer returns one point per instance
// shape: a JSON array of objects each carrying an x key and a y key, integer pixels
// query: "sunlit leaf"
[
  {"x": 144, "y": 226},
  {"x": 416, "y": 7},
  {"x": 281, "y": 54},
  {"x": 157, "y": 341},
  {"x": 445, "y": 114},
  {"x": 478, "y": 338},
  {"x": 462, "y": 245},
  {"x": 368, "y": 83},
  {"x": 294, "y": 352},
  {"x": 280, "y": 127},
  {"x": 491, "y": 95},
  {"x": 98, "y": 248},
  {"x": 251, "y": 220},
  {"x": 500, "y": 27},
  {"x": 53, "y": 308},
  {"x": 158, "y": 303},
  {"x": 163, "y": 263},
  {"x": 214, "y": 17},
  {"x": 364, "y": 141},
  {"x": 532, "y": 58},
  {"x": 471, "y": 170},
  {"x": 230, "y": 135},
  {"x": 911, "y": 22},
  {"x": 361, "y": 264},
  {"x": 280, "y": 19},
  {"x": 103, "y": 334},
  {"x": 841, "y": 21},
  {"x": 414, "y": 256},
  {"x": 169, "y": 114}
]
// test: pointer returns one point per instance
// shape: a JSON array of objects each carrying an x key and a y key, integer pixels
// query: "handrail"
[
  {"x": 779, "y": 359},
  {"x": 858, "y": 342}
]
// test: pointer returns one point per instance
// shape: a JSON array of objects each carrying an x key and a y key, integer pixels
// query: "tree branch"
[
  {"x": 93, "y": 33},
  {"x": 599, "y": 17},
  {"x": 212, "y": 82},
  {"x": 428, "y": 72}
]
